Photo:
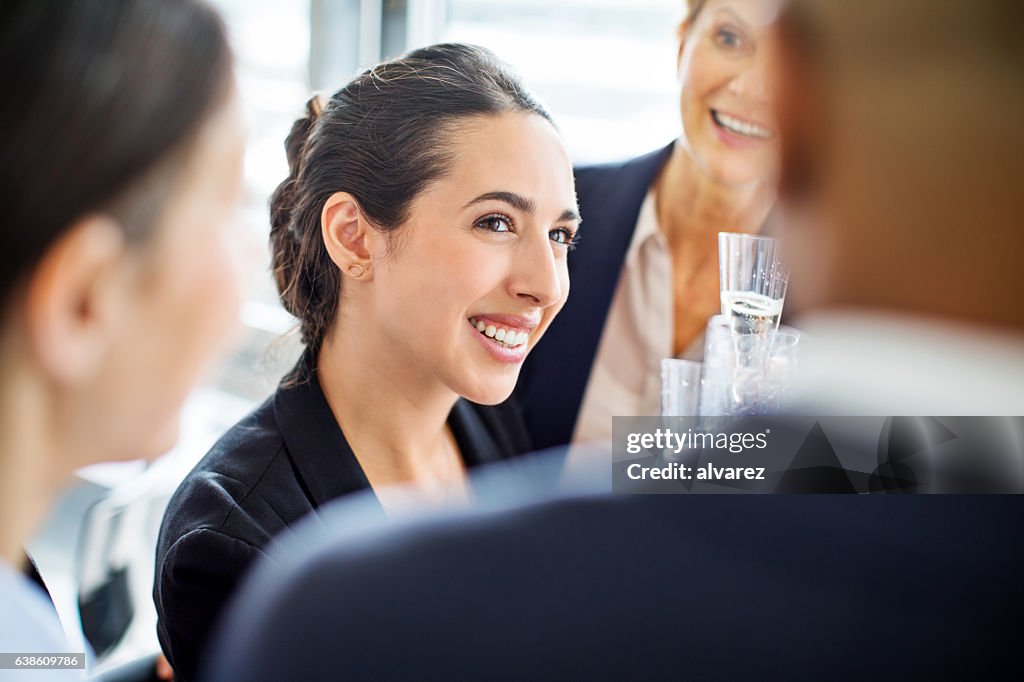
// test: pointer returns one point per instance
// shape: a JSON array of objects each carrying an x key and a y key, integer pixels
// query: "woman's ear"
[
  {"x": 73, "y": 299},
  {"x": 347, "y": 235},
  {"x": 682, "y": 33}
]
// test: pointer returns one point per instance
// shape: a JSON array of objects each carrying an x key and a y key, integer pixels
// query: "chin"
[
  {"x": 489, "y": 393},
  {"x": 736, "y": 172},
  {"x": 731, "y": 167},
  {"x": 490, "y": 397}
]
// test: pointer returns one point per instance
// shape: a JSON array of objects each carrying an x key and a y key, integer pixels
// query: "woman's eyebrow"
[
  {"x": 569, "y": 214},
  {"x": 521, "y": 203},
  {"x": 732, "y": 13},
  {"x": 516, "y": 201}
]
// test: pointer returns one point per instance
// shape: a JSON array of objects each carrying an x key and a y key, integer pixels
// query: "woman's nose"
[{"x": 537, "y": 273}]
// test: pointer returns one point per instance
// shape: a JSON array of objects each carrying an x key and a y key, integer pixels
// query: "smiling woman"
[
  {"x": 647, "y": 275},
  {"x": 421, "y": 240}
]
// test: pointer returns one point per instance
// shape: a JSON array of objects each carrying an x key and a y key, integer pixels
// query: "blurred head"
[
  {"x": 430, "y": 206},
  {"x": 726, "y": 50},
  {"x": 121, "y": 159},
  {"x": 903, "y": 157}
]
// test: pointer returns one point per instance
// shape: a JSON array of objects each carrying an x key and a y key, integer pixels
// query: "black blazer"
[
  {"x": 275, "y": 466},
  {"x": 555, "y": 374}
]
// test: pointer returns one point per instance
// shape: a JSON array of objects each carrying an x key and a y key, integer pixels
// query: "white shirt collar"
[{"x": 646, "y": 228}]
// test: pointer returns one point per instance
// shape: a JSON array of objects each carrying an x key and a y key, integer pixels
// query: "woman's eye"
[
  {"x": 495, "y": 223},
  {"x": 562, "y": 236},
  {"x": 728, "y": 38}
]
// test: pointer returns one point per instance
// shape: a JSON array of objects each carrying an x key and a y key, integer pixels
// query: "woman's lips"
[
  {"x": 526, "y": 323},
  {"x": 737, "y": 132},
  {"x": 499, "y": 349}
]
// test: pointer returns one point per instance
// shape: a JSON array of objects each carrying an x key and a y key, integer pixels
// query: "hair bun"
[
  {"x": 315, "y": 105},
  {"x": 295, "y": 143}
]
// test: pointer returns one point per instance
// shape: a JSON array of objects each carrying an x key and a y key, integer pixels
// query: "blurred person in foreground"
[
  {"x": 902, "y": 150},
  {"x": 121, "y": 167},
  {"x": 421, "y": 240},
  {"x": 645, "y": 276},
  {"x": 902, "y": 178}
]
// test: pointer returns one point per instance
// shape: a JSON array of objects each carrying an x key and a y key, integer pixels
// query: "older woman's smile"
[{"x": 741, "y": 126}]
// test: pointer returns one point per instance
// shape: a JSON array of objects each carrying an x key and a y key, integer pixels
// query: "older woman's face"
[{"x": 728, "y": 119}]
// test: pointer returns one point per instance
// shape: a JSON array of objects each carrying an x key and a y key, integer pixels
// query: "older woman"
[{"x": 645, "y": 277}]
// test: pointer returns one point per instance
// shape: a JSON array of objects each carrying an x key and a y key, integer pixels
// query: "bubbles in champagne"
[{"x": 751, "y": 313}]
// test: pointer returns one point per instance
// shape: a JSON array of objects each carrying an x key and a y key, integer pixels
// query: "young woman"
[
  {"x": 120, "y": 166},
  {"x": 421, "y": 240},
  {"x": 647, "y": 273}
]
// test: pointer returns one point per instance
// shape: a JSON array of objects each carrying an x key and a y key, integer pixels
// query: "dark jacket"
[
  {"x": 555, "y": 374},
  {"x": 644, "y": 587},
  {"x": 275, "y": 466}
]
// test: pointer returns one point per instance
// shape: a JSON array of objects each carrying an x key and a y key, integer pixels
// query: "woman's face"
[
  {"x": 724, "y": 64},
  {"x": 475, "y": 276},
  {"x": 183, "y": 297}
]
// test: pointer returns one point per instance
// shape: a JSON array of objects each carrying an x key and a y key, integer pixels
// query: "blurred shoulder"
[{"x": 28, "y": 621}]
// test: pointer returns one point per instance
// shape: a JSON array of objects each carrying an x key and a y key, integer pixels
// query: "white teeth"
[
  {"x": 506, "y": 336},
  {"x": 742, "y": 127}
]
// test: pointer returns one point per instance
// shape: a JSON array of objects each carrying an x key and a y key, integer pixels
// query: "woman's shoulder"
[
  {"x": 230, "y": 490},
  {"x": 28, "y": 621}
]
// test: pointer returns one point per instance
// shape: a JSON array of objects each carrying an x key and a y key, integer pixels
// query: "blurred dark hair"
[
  {"x": 99, "y": 96},
  {"x": 382, "y": 138}
]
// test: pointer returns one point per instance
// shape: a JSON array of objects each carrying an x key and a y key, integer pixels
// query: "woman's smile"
[
  {"x": 740, "y": 126},
  {"x": 739, "y": 133},
  {"x": 505, "y": 337}
]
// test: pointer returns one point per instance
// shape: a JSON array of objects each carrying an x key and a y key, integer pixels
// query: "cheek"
[
  {"x": 208, "y": 292},
  {"x": 183, "y": 313},
  {"x": 441, "y": 281},
  {"x": 702, "y": 77},
  {"x": 197, "y": 309}
]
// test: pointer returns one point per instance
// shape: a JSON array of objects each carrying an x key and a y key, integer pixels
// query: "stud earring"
[{"x": 356, "y": 270}]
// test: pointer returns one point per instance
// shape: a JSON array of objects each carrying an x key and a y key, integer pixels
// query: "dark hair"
[
  {"x": 382, "y": 138},
  {"x": 98, "y": 96}
]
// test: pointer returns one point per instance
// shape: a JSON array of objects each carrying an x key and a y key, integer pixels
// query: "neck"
[
  {"x": 27, "y": 451},
  {"x": 693, "y": 206},
  {"x": 393, "y": 415}
]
